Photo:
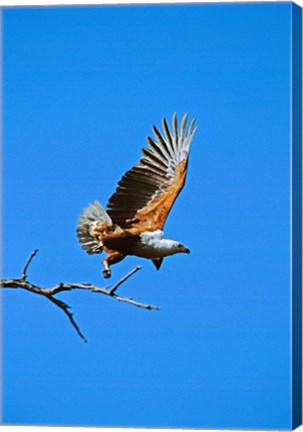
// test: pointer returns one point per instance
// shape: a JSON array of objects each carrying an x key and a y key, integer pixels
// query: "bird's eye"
[{"x": 180, "y": 245}]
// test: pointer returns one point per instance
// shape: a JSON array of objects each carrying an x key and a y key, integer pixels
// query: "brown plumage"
[{"x": 138, "y": 209}]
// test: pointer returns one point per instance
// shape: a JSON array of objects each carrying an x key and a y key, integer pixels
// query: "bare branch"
[
  {"x": 116, "y": 286},
  {"x": 24, "y": 275},
  {"x": 49, "y": 293},
  {"x": 65, "y": 308}
]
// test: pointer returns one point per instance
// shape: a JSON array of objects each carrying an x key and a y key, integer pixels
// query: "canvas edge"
[
  {"x": 296, "y": 215},
  {"x": 1, "y": 213}
]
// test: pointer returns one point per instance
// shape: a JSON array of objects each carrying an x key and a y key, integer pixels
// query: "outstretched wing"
[{"x": 147, "y": 192}]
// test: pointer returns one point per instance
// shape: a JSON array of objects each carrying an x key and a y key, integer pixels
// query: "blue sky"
[{"x": 82, "y": 88}]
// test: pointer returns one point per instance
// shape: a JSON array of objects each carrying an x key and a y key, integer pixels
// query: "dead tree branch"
[{"x": 50, "y": 293}]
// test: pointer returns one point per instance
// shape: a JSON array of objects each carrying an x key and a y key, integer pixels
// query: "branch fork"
[{"x": 50, "y": 293}]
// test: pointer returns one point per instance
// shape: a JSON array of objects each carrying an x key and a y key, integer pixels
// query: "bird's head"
[{"x": 181, "y": 249}]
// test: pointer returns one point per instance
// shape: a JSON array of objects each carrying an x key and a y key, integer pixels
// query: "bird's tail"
[{"x": 93, "y": 221}]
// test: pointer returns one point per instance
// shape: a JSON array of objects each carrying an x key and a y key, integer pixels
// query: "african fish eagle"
[{"x": 137, "y": 211}]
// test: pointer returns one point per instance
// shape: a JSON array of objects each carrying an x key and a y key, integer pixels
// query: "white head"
[
  {"x": 154, "y": 245},
  {"x": 177, "y": 247}
]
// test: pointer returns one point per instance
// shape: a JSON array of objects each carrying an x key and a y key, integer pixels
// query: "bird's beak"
[{"x": 185, "y": 250}]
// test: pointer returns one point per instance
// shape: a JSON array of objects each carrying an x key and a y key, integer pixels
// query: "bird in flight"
[{"x": 137, "y": 211}]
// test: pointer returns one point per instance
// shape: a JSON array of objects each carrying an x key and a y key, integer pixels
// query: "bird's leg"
[
  {"x": 106, "y": 272},
  {"x": 113, "y": 257}
]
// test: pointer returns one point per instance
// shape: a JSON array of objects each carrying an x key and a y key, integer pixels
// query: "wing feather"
[
  {"x": 167, "y": 132},
  {"x": 183, "y": 127},
  {"x": 154, "y": 157},
  {"x": 157, "y": 148},
  {"x": 146, "y": 193},
  {"x": 149, "y": 163},
  {"x": 165, "y": 146},
  {"x": 176, "y": 135}
]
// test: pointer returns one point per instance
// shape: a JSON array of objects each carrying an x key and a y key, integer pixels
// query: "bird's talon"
[{"x": 106, "y": 274}]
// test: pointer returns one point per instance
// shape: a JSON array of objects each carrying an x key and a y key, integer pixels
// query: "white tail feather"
[{"x": 88, "y": 220}]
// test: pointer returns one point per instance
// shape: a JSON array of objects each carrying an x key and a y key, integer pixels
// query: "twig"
[
  {"x": 116, "y": 286},
  {"x": 49, "y": 293},
  {"x": 24, "y": 275},
  {"x": 65, "y": 308}
]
